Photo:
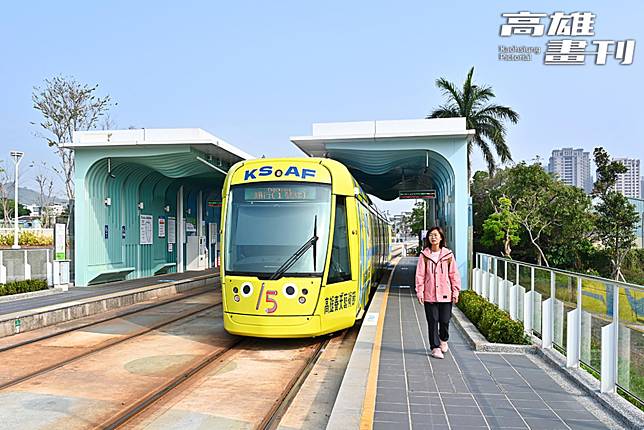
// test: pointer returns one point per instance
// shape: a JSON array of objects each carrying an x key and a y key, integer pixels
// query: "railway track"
[
  {"x": 131, "y": 370},
  {"x": 8, "y": 343},
  {"x": 160, "y": 408},
  {"x": 18, "y": 360},
  {"x": 155, "y": 407}
]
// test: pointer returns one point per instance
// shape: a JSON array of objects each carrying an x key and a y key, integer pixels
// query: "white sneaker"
[
  {"x": 437, "y": 353},
  {"x": 444, "y": 346}
]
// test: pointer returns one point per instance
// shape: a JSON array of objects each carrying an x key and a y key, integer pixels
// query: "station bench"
[
  {"x": 111, "y": 275},
  {"x": 163, "y": 268}
]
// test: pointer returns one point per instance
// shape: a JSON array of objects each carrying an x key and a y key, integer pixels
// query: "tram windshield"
[{"x": 266, "y": 223}]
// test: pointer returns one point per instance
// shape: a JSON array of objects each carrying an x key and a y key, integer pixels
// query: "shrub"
[
  {"x": 493, "y": 323},
  {"x": 507, "y": 331},
  {"x": 25, "y": 286},
  {"x": 26, "y": 238}
]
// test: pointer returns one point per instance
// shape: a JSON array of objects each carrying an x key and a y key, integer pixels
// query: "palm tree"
[{"x": 486, "y": 119}]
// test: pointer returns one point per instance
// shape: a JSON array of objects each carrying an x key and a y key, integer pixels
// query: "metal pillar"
[
  {"x": 200, "y": 231},
  {"x": 181, "y": 231},
  {"x": 17, "y": 156},
  {"x": 425, "y": 214}
]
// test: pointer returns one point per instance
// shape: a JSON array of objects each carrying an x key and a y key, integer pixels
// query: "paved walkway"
[
  {"x": 78, "y": 293},
  {"x": 466, "y": 390}
]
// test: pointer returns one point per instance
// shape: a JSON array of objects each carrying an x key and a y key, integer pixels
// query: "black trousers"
[{"x": 438, "y": 316}]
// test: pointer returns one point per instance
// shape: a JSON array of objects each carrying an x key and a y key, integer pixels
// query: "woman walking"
[{"x": 437, "y": 286}]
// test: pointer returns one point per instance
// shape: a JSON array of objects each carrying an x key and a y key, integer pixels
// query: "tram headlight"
[
  {"x": 246, "y": 289},
  {"x": 302, "y": 300},
  {"x": 290, "y": 290},
  {"x": 236, "y": 298}
]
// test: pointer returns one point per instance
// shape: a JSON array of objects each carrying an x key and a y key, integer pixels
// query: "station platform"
[
  {"x": 405, "y": 388},
  {"x": 77, "y": 302}
]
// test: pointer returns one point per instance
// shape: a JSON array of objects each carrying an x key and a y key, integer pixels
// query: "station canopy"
[
  {"x": 387, "y": 157},
  {"x": 173, "y": 153},
  {"x": 133, "y": 185}
]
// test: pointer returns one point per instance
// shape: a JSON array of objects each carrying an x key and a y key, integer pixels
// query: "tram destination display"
[
  {"x": 286, "y": 192},
  {"x": 417, "y": 194}
]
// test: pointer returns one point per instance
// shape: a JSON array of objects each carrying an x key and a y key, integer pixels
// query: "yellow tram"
[{"x": 302, "y": 248}]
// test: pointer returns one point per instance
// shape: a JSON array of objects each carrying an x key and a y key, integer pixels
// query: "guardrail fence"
[{"x": 595, "y": 321}]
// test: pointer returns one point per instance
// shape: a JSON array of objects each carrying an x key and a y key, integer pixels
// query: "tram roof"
[{"x": 389, "y": 156}]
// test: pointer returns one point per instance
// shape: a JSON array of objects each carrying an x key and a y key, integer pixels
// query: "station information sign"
[
  {"x": 60, "y": 240},
  {"x": 417, "y": 194}
]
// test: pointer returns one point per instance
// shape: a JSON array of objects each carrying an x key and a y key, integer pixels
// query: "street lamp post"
[{"x": 17, "y": 156}]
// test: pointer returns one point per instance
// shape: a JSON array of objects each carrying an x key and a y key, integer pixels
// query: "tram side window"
[{"x": 340, "y": 267}]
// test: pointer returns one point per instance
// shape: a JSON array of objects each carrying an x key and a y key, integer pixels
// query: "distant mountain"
[{"x": 27, "y": 196}]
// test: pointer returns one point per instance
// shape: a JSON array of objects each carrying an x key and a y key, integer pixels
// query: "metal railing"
[
  {"x": 595, "y": 321},
  {"x": 21, "y": 264}
]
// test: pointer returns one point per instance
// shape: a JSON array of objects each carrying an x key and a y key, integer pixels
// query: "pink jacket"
[{"x": 437, "y": 281}]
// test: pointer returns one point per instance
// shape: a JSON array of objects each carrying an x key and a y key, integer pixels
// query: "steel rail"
[
  {"x": 108, "y": 344},
  {"x": 181, "y": 296},
  {"x": 269, "y": 421},
  {"x": 272, "y": 419},
  {"x": 148, "y": 400}
]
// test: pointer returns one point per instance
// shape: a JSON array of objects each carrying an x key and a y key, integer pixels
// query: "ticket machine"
[{"x": 196, "y": 253}]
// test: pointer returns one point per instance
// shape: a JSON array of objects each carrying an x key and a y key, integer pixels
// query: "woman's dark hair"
[{"x": 426, "y": 243}]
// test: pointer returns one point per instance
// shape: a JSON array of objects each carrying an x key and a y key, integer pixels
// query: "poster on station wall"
[
  {"x": 172, "y": 230},
  {"x": 161, "y": 227},
  {"x": 145, "y": 230}
]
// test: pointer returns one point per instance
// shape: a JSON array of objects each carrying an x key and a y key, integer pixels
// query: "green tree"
[
  {"x": 607, "y": 172},
  {"x": 633, "y": 266},
  {"x": 415, "y": 219},
  {"x": 534, "y": 201},
  {"x": 555, "y": 217},
  {"x": 567, "y": 243},
  {"x": 615, "y": 228},
  {"x": 66, "y": 106},
  {"x": 616, "y": 217},
  {"x": 22, "y": 210},
  {"x": 484, "y": 192},
  {"x": 472, "y": 102},
  {"x": 502, "y": 227}
]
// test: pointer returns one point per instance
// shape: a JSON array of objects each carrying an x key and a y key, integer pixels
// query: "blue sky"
[{"x": 255, "y": 73}]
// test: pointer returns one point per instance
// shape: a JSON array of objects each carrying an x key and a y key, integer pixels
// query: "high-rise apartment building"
[
  {"x": 572, "y": 167},
  {"x": 629, "y": 183}
]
